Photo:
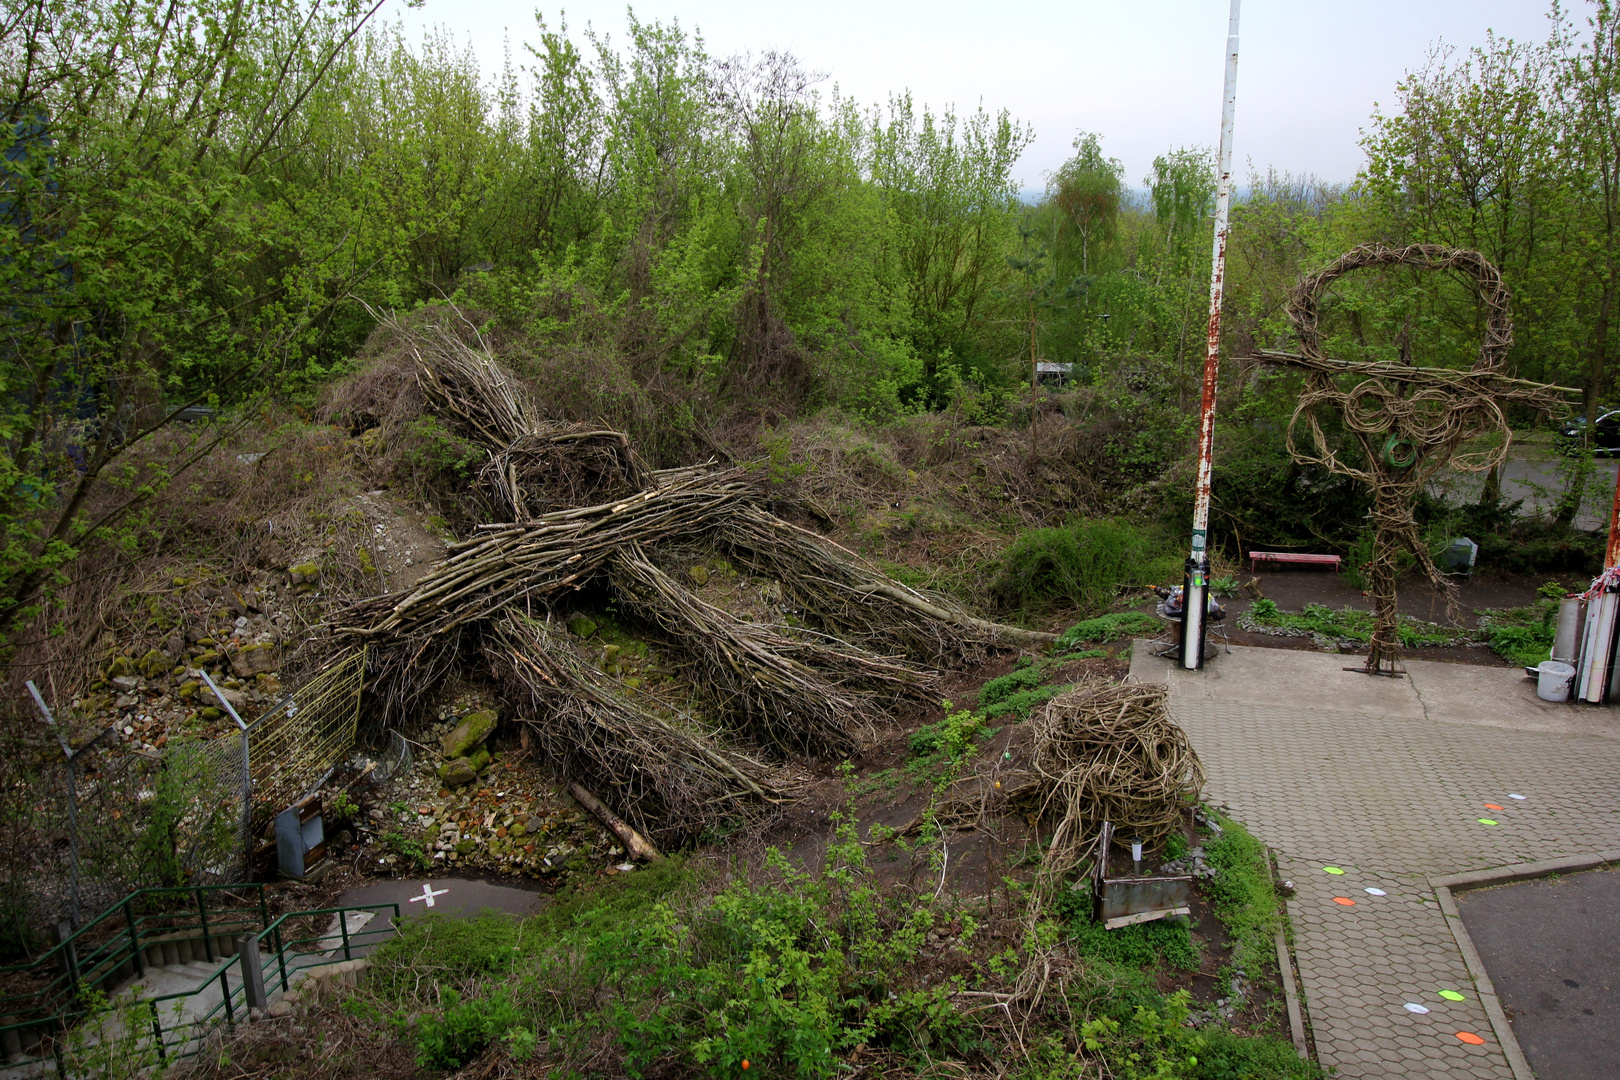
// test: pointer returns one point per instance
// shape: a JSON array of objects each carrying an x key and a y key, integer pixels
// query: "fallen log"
[{"x": 634, "y": 842}]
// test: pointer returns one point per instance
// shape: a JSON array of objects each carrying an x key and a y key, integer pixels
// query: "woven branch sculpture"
[
  {"x": 574, "y": 504},
  {"x": 1409, "y": 421}
]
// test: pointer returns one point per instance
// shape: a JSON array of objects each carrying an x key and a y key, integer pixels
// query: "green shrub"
[
  {"x": 1021, "y": 703},
  {"x": 1005, "y": 686},
  {"x": 1083, "y": 564},
  {"x": 464, "y": 1029}
]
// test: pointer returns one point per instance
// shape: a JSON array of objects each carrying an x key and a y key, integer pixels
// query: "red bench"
[{"x": 1258, "y": 557}]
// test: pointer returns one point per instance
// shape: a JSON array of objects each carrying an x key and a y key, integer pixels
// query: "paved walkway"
[{"x": 1387, "y": 780}]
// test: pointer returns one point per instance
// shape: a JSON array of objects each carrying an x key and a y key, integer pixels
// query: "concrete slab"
[
  {"x": 1448, "y": 693},
  {"x": 1552, "y": 949},
  {"x": 1503, "y": 697},
  {"x": 1280, "y": 677},
  {"x": 452, "y": 897}
]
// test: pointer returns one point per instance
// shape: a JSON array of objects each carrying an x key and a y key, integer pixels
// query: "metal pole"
[
  {"x": 1612, "y": 555},
  {"x": 72, "y": 800},
  {"x": 247, "y": 775},
  {"x": 1195, "y": 586}
]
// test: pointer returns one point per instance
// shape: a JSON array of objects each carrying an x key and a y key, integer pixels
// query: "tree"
[
  {"x": 143, "y": 272},
  {"x": 1086, "y": 190}
]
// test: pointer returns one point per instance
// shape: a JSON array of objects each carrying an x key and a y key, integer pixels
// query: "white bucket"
[{"x": 1553, "y": 679}]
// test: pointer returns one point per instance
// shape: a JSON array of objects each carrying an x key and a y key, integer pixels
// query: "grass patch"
[
  {"x": 1348, "y": 624},
  {"x": 1244, "y": 897},
  {"x": 1018, "y": 705},
  {"x": 1106, "y": 628},
  {"x": 1164, "y": 941}
]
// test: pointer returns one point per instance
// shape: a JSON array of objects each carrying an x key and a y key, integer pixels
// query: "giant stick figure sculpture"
[{"x": 1409, "y": 421}]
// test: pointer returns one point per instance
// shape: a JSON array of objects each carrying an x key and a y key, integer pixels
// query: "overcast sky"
[{"x": 1145, "y": 74}]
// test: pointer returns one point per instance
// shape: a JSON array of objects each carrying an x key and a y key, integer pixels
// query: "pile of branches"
[
  {"x": 579, "y": 509},
  {"x": 1111, "y": 753}
]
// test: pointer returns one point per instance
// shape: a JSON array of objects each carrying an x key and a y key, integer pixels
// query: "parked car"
[{"x": 1605, "y": 433}]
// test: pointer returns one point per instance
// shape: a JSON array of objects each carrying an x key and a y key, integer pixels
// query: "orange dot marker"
[
  {"x": 1492, "y": 806},
  {"x": 1345, "y": 900},
  {"x": 745, "y": 1060},
  {"x": 1470, "y": 1038}
]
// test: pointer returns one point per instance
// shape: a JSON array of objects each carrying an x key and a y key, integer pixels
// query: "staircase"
[{"x": 146, "y": 981}]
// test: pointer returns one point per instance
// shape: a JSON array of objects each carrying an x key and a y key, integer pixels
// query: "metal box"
[
  {"x": 1124, "y": 901},
  {"x": 300, "y": 838}
]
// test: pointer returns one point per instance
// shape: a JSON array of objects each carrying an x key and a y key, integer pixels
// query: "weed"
[
  {"x": 939, "y": 749},
  {"x": 1347, "y": 624},
  {"x": 1523, "y": 635}
]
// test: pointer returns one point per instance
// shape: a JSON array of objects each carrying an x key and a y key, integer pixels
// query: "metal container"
[
  {"x": 1567, "y": 638},
  {"x": 1124, "y": 901}
]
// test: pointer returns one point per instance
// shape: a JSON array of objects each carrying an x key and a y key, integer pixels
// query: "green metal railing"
[
  {"x": 34, "y": 1023},
  {"x": 289, "y": 956},
  {"x": 92, "y": 956}
]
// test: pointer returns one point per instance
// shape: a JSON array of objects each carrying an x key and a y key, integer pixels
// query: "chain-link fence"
[
  {"x": 103, "y": 819},
  {"x": 106, "y": 820}
]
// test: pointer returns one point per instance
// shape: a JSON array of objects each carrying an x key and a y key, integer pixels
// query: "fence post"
[
  {"x": 202, "y": 915},
  {"x": 69, "y": 960},
  {"x": 247, "y": 775},
  {"x": 72, "y": 801},
  {"x": 247, "y": 946}
]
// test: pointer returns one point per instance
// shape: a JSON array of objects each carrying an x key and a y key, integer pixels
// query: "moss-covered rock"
[
  {"x": 582, "y": 626},
  {"x": 471, "y": 732},
  {"x": 457, "y": 772}
]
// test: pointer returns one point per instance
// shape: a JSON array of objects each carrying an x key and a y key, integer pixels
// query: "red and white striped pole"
[{"x": 1195, "y": 587}]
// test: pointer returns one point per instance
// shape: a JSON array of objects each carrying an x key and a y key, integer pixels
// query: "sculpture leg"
[{"x": 1389, "y": 516}]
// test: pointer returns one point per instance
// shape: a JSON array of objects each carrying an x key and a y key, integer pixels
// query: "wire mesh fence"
[
  {"x": 102, "y": 819},
  {"x": 297, "y": 743}
]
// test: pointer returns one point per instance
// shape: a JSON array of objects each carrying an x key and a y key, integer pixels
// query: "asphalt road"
[
  {"x": 1552, "y": 948},
  {"x": 1532, "y": 474}
]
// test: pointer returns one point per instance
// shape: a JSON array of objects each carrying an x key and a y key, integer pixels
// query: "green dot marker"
[
  {"x": 1486, "y": 821},
  {"x": 1332, "y": 870},
  {"x": 1452, "y": 995}
]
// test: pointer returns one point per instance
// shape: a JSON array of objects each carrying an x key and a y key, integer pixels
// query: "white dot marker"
[
  {"x": 1512, "y": 796},
  {"x": 1377, "y": 892},
  {"x": 1414, "y": 1007},
  {"x": 428, "y": 893}
]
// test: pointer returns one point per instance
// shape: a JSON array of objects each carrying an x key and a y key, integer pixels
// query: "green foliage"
[
  {"x": 1524, "y": 635},
  {"x": 1349, "y": 624},
  {"x": 1244, "y": 897},
  {"x": 1083, "y": 564},
  {"x": 942, "y": 747},
  {"x": 460, "y": 1032},
  {"x": 1106, "y": 628}
]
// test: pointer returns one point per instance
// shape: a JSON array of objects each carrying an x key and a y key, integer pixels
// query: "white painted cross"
[{"x": 428, "y": 893}]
